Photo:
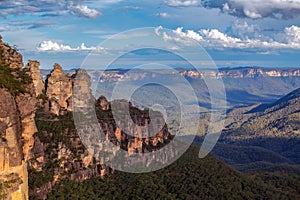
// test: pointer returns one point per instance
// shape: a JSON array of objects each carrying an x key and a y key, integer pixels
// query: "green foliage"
[
  {"x": 39, "y": 178},
  {"x": 43, "y": 96},
  {"x": 53, "y": 129},
  {"x": 13, "y": 79},
  {"x": 281, "y": 181},
  {"x": 187, "y": 178},
  {"x": 3, "y": 194},
  {"x": 104, "y": 115},
  {"x": 6, "y": 186}
]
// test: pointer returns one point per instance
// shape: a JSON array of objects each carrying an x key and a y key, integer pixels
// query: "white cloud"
[
  {"x": 131, "y": 7},
  {"x": 157, "y": 30},
  {"x": 213, "y": 38},
  {"x": 163, "y": 15},
  {"x": 252, "y": 14},
  {"x": 256, "y": 9},
  {"x": 182, "y": 3},
  {"x": 54, "y": 7},
  {"x": 293, "y": 36},
  {"x": 52, "y": 46},
  {"x": 85, "y": 11},
  {"x": 49, "y": 45},
  {"x": 244, "y": 30}
]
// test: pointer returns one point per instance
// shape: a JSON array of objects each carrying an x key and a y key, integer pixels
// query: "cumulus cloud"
[
  {"x": 53, "y": 46},
  {"x": 213, "y": 38},
  {"x": 293, "y": 36},
  {"x": 182, "y": 3},
  {"x": 85, "y": 11},
  {"x": 256, "y": 9},
  {"x": 56, "y": 47}
]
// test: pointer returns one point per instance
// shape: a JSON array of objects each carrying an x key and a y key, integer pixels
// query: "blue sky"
[{"x": 233, "y": 32}]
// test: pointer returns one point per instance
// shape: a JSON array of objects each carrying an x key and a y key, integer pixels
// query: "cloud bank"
[
  {"x": 50, "y": 7},
  {"x": 256, "y": 9},
  {"x": 215, "y": 39}
]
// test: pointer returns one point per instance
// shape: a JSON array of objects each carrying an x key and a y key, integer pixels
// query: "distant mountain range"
[
  {"x": 238, "y": 72},
  {"x": 244, "y": 85}
]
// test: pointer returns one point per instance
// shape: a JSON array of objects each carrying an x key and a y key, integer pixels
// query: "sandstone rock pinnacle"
[
  {"x": 33, "y": 68},
  {"x": 59, "y": 90}
]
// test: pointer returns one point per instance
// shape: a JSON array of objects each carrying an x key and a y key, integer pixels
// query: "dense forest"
[{"x": 187, "y": 178}]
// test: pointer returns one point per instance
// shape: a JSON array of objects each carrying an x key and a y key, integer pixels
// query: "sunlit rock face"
[
  {"x": 64, "y": 146},
  {"x": 17, "y": 123},
  {"x": 33, "y": 70},
  {"x": 17, "y": 129},
  {"x": 59, "y": 90},
  {"x": 25, "y": 146}
]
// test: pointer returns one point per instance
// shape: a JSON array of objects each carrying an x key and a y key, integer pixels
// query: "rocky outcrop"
[
  {"x": 33, "y": 70},
  {"x": 17, "y": 113},
  {"x": 82, "y": 95},
  {"x": 12, "y": 162},
  {"x": 47, "y": 144},
  {"x": 57, "y": 142},
  {"x": 11, "y": 132},
  {"x": 10, "y": 56},
  {"x": 136, "y": 132},
  {"x": 59, "y": 91},
  {"x": 27, "y": 107}
]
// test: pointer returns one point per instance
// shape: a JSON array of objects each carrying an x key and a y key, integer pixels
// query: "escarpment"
[
  {"x": 17, "y": 124},
  {"x": 39, "y": 142},
  {"x": 136, "y": 131},
  {"x": 59, "y": 152}
]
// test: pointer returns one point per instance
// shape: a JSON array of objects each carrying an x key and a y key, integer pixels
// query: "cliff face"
[
  {"x": 37, "y": 132},
  {"x": 10, "y": 56},
  {"x": 33, "y": 70},
  {"x": 59, "y": 91},
  {"x": 17, "y": 112},
  {"x": 58, "y": 152},
  {"x": 139, "y": 133},
  {"x": 11, "y": 156},
  {"x": 236, "y": 73}
]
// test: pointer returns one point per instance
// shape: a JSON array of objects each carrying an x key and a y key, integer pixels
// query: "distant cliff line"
[{"x": 239, "y": 72}]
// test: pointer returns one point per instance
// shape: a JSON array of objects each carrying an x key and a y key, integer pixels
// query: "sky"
[{"x": 232, "y": 32}]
